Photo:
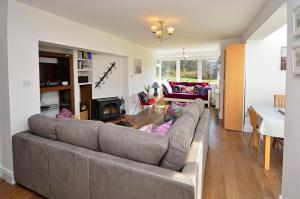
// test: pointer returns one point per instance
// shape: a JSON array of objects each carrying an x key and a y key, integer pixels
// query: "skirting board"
[{"x": 7, "y": 175}]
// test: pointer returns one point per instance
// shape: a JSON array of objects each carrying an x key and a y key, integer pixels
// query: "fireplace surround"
[{"x": 106, "y": 109}]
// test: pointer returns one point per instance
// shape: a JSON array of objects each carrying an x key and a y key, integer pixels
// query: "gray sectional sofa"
[{"x": 73, "y": 159}]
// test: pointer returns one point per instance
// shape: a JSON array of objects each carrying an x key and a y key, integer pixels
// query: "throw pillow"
[
  {"x": 197, "y": 89},
  {"x": 204, "y": 90},
  {"x": 173, "y": 112},
  {"x": 144, "y": 97},
  {"x": 184, "y": 89},
  {"x": 168, "y": 87},
  {"x": 162, "y": 129},
  {"x": 177, "y": 89},
  {"x": 147, "y": 128},
  {"x": 182, "y": 104},
  {"x": 190, "y": 89},
  {"x": 65, "y": 114}
]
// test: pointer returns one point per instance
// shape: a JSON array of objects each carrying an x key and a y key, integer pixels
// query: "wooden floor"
[{"x": 232, "y": 171}]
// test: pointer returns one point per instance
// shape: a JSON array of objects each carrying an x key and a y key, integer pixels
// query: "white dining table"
[{"x": 271, "y": 125}]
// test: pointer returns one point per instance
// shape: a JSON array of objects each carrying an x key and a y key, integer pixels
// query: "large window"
[
  {"x": 189, "y": 70},
  {"x": 168, "y": 70},
  {"x": 193, "y": 70},
  {"x": 210, "y": 70}
]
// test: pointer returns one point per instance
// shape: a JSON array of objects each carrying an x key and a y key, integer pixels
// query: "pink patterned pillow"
[
  {"x": 64, "y": 114},
  {"x": 147, "y": 128},
  {"x": 182, "y": 104},
  {"x": 162, "y": 129}
]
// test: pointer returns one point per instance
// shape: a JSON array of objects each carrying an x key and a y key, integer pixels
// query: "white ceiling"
[{"x": 199, "y": 24}]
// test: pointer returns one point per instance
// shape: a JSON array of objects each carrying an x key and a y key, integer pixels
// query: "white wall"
[
  {"x": 113, "y": 85},
  {"x": 26, "y": 27},
  {"x": 263, "y": 16},
  {"x": 263, "y": 75},
  {"x": 291, "y": 157},
  {"x": 5, "y": 124}
]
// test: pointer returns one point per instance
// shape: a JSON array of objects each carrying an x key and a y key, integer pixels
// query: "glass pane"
[
  {"x": 210, "y": 70},
  {"x": 189, "y": 70},
  {"x": 168, "y": 70},
  {"x": 157, "y": 73}
]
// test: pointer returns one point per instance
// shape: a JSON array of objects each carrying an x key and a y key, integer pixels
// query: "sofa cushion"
[
  {"x": 195, "y": 110},
  {"x": 43, "y": 126},
  {"x": 200, "y": 104},
  {"x": 180, "y": 138},
  {"x": 82, "y": 133},
  {"x": 132, "y": 144}
]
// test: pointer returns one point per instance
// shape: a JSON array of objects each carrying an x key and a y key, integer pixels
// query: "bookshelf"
[
  {"x": 84, "y": 67},
  {"x": 85, "y": 81}
]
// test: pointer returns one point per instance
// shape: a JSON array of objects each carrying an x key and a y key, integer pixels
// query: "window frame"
[{"x": 199, "y": 60}]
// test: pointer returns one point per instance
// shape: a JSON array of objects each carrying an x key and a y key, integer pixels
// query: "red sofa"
[{"x": 179, "y": 96}]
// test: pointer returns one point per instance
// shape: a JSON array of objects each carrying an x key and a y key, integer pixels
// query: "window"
[
  {"x": 189, "y": 70},
  {"x": 210, "y": 70},
  {"x": 168, "y": 70},
  {"x": 157, "y": 73},
  {"x": 193, "y": 70}
]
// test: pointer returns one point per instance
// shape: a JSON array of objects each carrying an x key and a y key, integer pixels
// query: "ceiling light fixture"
[
  {"x": 184, "y": 56},
  {"x": 158, "y": 31}
]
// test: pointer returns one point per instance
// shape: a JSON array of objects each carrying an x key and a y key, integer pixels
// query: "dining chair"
[
  {"x": 254, "y": 123},
  {"x": 279, "y": 101}
]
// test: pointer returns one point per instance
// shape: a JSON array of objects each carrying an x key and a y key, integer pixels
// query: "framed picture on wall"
[
  {"x": 283, "y": 58},
  {"x": 296, "y": 21},
  {"x": 296, "y": 59},
  {"x": 137, "y": 66}
]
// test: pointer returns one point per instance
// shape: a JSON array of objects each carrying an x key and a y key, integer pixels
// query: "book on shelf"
[
  {"x": 83, "y": 64},
  {"x": 84, "y": 55}
]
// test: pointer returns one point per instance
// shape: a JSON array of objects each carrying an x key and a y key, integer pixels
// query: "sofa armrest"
[{"x": 114, "y": 177}]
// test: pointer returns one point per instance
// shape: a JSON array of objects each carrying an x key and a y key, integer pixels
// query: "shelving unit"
[
  {"x": 65, "y": 93},
  {"x": 85, "y": 68},
  {"x": 55, "y": 88},
  {"x": 82, "y": 84}
]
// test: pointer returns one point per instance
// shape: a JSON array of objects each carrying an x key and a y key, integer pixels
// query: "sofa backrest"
[
  {"x": 188, "y": 83},
  {"x": 43, "y": 126},
  {"x": 132, "y": 144},
  {"x": 181, "y": 135},
  {"x": 76, "y": 132},
  {"x": 195, "y": 109},
  {"x": 82, "y": 133}
]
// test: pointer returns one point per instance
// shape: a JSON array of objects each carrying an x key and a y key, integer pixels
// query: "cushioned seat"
[{"x": 132, "y": 144}]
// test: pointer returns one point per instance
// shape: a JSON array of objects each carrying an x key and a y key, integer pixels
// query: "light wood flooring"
[{"x": 232, "y": 171}]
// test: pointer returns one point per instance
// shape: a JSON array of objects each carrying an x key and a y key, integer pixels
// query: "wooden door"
[{"x": 234, "y": 87}]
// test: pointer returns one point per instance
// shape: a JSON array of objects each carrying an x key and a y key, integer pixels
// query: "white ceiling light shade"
[
  {"x": 153, "y": 29},
  {"x": 158, "y": 31},
  {"x": 171, "y": 30}
]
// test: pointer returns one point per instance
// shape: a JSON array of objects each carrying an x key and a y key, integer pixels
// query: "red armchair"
[{"x": 145, "y": 100}]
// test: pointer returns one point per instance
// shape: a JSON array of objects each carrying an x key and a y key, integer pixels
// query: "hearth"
[{"x": 106, "y": 109}]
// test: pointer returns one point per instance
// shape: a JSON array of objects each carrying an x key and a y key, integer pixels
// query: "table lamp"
[{"x": 155, "y": 85}]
